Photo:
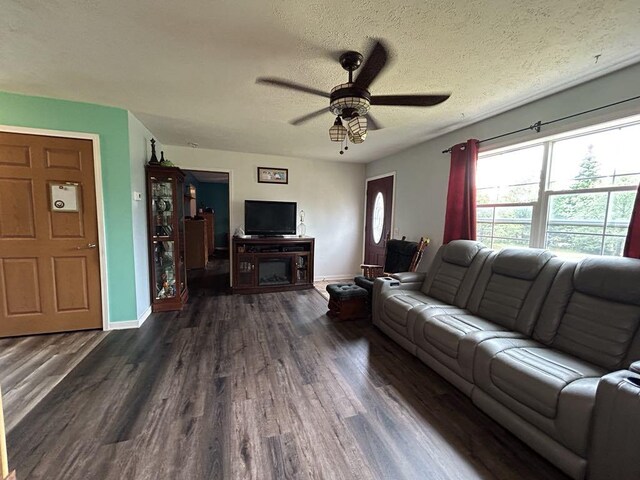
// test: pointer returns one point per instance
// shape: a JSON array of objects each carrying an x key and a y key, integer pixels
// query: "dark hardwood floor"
[
  {"x": 30, "y": 367},
  {"x": 212, "y": 280},
  {"x": 258, "y": 387}
]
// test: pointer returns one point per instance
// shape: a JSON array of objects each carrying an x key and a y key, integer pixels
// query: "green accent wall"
[{"x": 111, "y": 124}]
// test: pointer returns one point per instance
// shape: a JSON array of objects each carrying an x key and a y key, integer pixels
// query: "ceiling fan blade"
[
  {"x": 372, "y": 123},
  {"x": 308, "y": 116},
  {"x": 373, "y": 65},
  {"x": 409, "y": 100},
  {"x": 277, "y": 82}
]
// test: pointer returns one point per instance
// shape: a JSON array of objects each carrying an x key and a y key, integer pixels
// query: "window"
[{"x": 573, "y": 195}]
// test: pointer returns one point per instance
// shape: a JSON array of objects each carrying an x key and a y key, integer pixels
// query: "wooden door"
[
  {"x": 379, "y": 205},
  {"x": 49, "y": 260}
]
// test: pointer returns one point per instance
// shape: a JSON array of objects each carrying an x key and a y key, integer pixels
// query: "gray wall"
[
  {"x": 422, "y": 172},
  {"x": 330, "y": 193}
]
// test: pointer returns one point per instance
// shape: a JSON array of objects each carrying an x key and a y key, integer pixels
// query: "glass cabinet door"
[
  {"x": 164, "y": 255},
  {"x": 166, "y": 238},
  {"x": 246, "y": 270},
  {"x": 182, "y": 264},
  {"x": 164, "y": 269},
  {"x": 302, "y": 268},
  {"x": 162, "y": 207}
]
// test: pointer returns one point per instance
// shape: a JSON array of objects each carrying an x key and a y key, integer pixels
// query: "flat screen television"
[{"x": 267, "y": 218}]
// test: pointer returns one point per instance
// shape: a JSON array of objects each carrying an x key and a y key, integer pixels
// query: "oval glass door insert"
[{"x": 378, "y": 217}]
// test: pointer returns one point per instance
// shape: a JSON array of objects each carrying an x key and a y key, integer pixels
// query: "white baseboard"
[
  {"x": 123, "y": 325},
  {"x": 144, "y": 316},
  {"x": 127, "y": 324},
  {"x": 329, "y": 278}
]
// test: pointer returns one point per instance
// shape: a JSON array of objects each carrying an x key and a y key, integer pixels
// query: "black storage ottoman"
[{"x": 347, "y": 301}]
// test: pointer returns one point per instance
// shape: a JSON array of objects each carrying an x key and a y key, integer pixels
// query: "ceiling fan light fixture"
[
  {"x": 337, "y": 132},
  {"x": 348, "y": 97},
  {"x": 352, "y": 100},
  {"x": 358, "y": 126},
  {"x": 357, "y": 139}
]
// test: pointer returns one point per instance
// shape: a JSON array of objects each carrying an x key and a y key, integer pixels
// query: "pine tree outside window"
[{"x": 572, "y": 194}]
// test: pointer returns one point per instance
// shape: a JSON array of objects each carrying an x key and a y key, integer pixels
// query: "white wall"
[
  {"x": 423, "y": 171},
  {"x": 140, "y": 152},
  {"x": 330, "y": 193}
]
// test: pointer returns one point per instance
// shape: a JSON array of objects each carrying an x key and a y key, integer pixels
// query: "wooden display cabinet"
[
  {"x": 272, "y": 264},
  {"x": 165, "y": 212}
]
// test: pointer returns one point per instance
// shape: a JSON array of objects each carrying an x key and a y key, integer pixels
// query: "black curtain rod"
[{"x": 538, "y": 125}]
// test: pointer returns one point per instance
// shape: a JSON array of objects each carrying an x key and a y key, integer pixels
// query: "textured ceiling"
[{"x": 188, "y": 69}]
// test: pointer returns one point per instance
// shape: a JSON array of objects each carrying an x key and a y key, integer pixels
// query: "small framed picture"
[{"x": 273, "y": 175}]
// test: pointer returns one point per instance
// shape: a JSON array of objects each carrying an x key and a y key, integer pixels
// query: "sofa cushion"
[
  {"x": 597, "y": 330},
  {"x": 521, "y": 263},
  {"x": 397, "y": 307},
  {"x": 446, "y": 282},
  {"x": 553, "y": 391},
  {"x": 614, "y": 278},
  {"x": 445, "y": 331},
  {"x": 578, "y": 319},
  {"x": 503, "y": 299},
  {"x": 536, "y": 376},
  {"x": 454, "y": 271},
  {"x": 510, "y": 297},
  {"x": 461, "y": 252}
]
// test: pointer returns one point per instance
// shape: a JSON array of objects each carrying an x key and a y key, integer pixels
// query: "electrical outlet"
[{"x": 137, "y": 196}]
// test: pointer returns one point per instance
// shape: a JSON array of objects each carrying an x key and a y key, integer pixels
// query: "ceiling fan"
[{"x": 352, "y": 101}]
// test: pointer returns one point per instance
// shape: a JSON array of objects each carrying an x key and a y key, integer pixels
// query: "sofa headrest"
[
  {"x": 612, "y": 278},
  {"x": 461, "y": 252},
  {"x": 524, "y": 263}
]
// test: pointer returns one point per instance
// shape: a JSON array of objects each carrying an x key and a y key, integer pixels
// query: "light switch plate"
[{"x": 137, "y": 196}]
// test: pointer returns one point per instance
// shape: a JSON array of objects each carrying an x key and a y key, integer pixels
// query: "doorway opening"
[{"x": 207, "y": 232}]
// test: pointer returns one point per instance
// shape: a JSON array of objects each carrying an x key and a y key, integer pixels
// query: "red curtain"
[
  {"x": 632, "y": 247},
  {"x": 460, "y": 219}
]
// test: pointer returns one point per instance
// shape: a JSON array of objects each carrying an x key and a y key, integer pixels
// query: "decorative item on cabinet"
[
  {"x": 165, "y": 212},
  {"x": 165, "y": 162},
  {"x": 153, "y": 161},
  {"x": 302, "y": 228}
]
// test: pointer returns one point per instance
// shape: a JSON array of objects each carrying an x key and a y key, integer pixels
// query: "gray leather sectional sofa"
[{"x": 546, "y": 347}]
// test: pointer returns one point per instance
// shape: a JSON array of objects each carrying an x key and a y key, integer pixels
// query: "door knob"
[{"x": 88, "y": 245}]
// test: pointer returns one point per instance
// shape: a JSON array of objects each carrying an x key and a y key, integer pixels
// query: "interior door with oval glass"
[{"x": 379, "y": 208}]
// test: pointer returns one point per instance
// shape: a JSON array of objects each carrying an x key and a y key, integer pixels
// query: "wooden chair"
[
  {"x": 400, "y": 256},
  {"x": 397, "y": 258}
]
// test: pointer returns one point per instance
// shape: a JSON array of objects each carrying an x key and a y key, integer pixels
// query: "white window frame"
[{"x": 540, "y": 213}]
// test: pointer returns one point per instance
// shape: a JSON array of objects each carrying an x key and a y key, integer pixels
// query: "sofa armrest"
[
  {"x": 613, "y": 450},
  {"x": 384, "y": 287},
  {"x": 409, "y": 277}
]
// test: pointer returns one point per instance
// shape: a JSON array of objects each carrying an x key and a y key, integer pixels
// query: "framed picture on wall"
[{"x": 273, "y": 175}]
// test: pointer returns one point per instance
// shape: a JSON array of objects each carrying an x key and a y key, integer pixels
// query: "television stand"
[{"x": 271, "y": 264}]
